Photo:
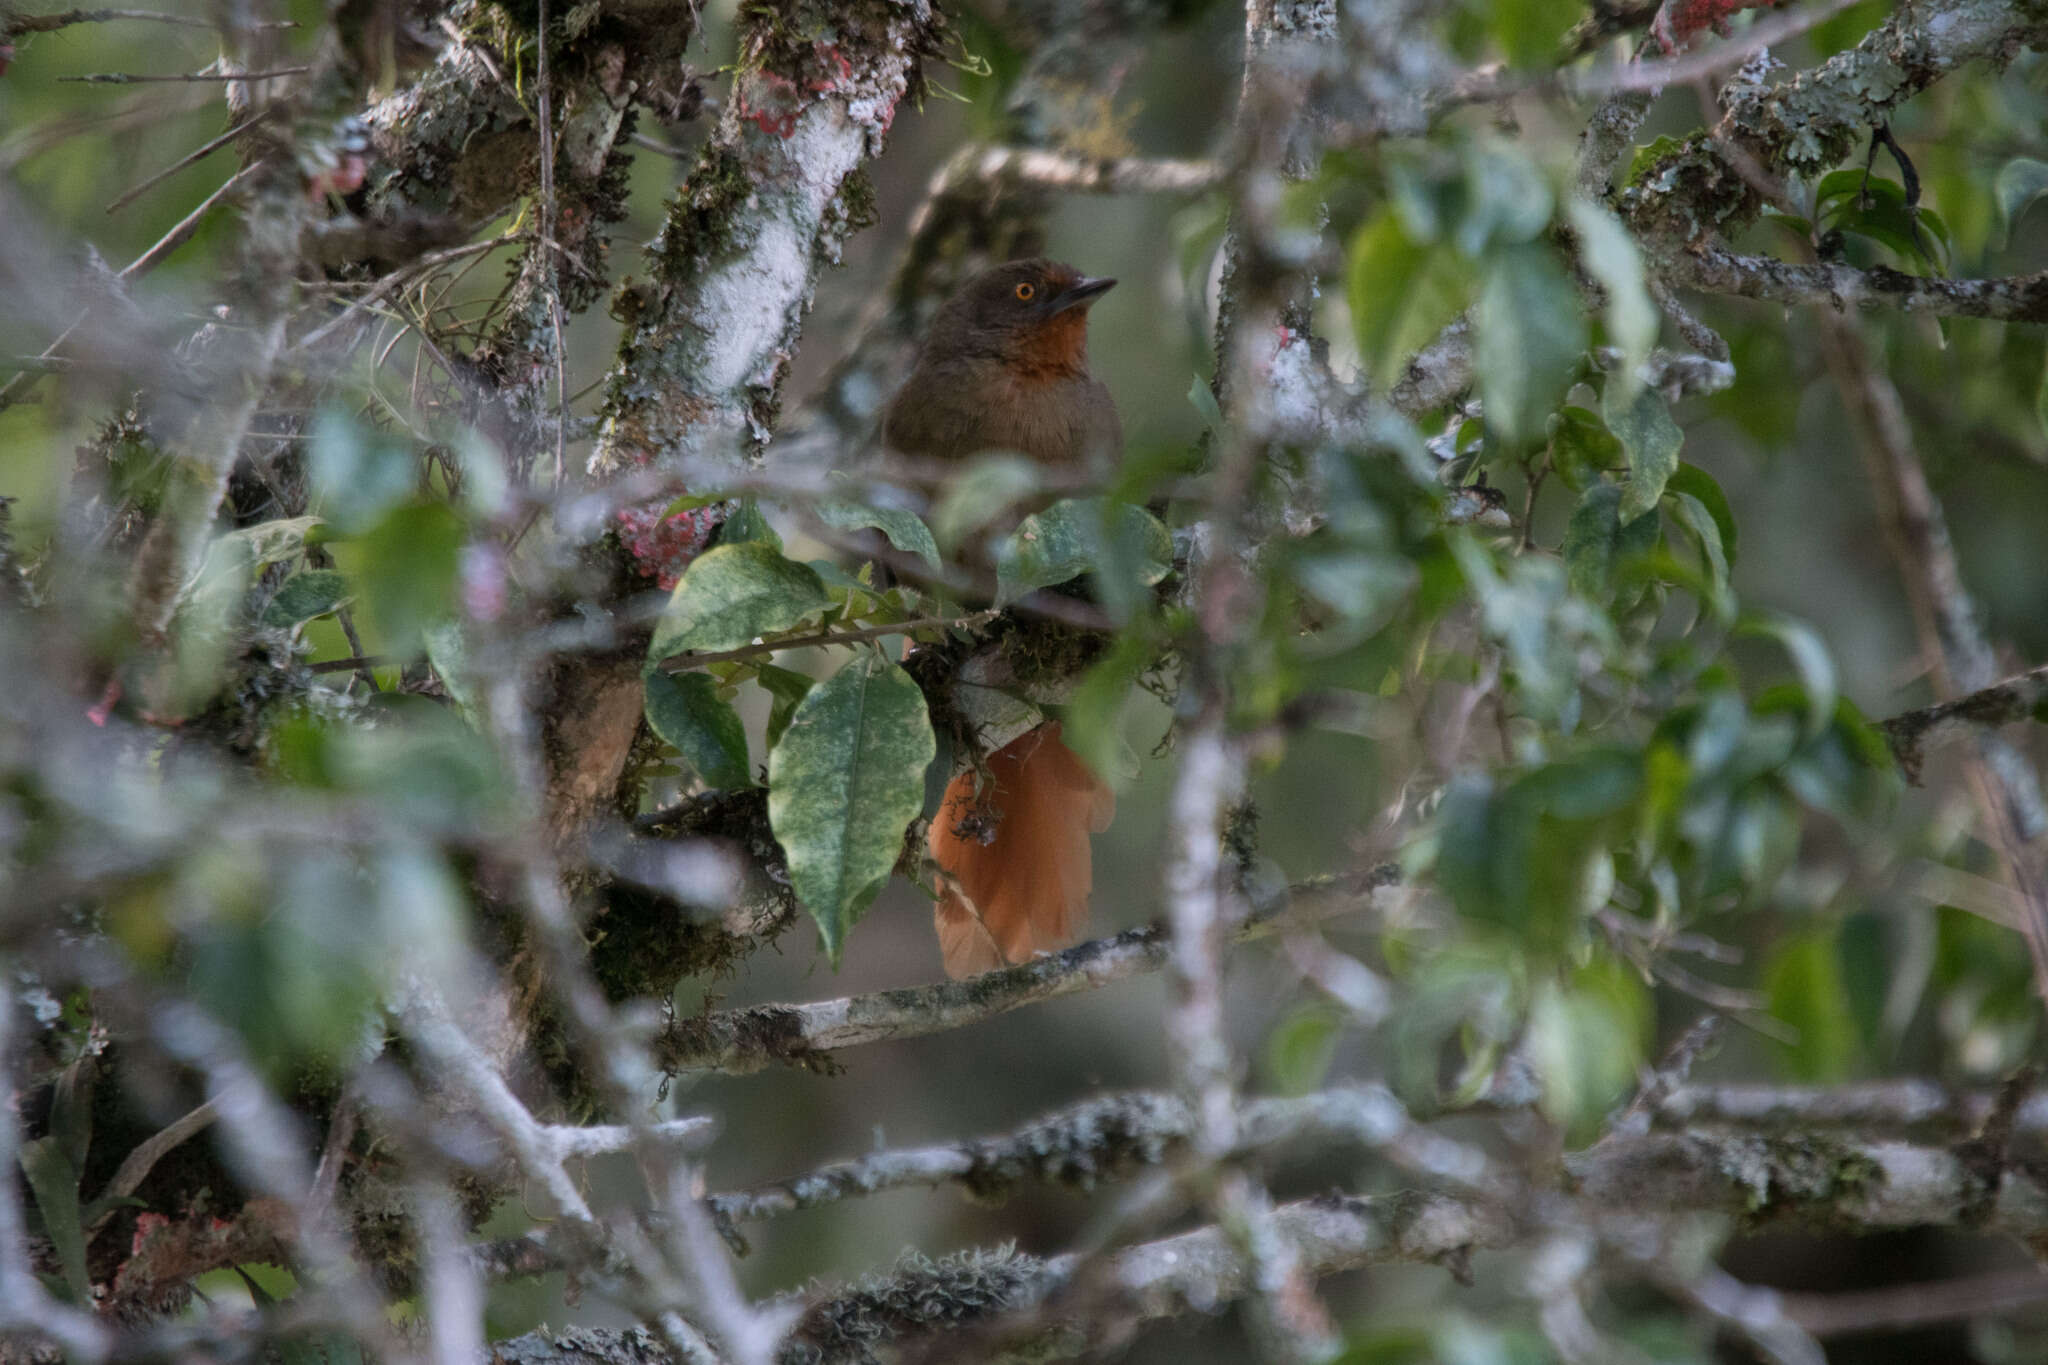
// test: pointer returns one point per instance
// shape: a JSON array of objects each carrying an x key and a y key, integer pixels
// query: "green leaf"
[
  {"x": 686, "y": 711},
  {"x": 1202, "y": 398},
  {"x": 732, "y": 595},
  {"x": 1597, "y": 542},
  {"x": 2020, "y": 182},
  {"x": 1652, "y": 441},
  {"x": 53, "y": 1180},
  {"x": 1582, "y": 448},
  {"x": 1809, "y": 655},
  {"x": 745, "y": 525},
  {"x": 1690, "y": 479},
  {"x": 1125, "y": 547},
  {"x": 844, "y": 783},
  {"x": 1610, "y": 257},
  {"x": 788, "y": 688},
  {"x": 1803, "y": 986},
  {"x": 54, "y": 1167},
  {"x": 903, "y": 527},
  {"x": 1529, "y": 332},
  {"x": 1695, "y": 516},
  {"x": 448, "y": 652},
  {"x": 410, "y": 562},
  {"x": 304, "y": 596},
  {"x": 1585, "y": 1040}
]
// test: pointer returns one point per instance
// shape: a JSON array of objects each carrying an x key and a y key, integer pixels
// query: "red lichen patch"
[
  {"x": 1679, "y": 21},
  {"x": 661, "y": 543},
  {"x": 841, "y": 70},
  {"x": 769, "y": 102}
]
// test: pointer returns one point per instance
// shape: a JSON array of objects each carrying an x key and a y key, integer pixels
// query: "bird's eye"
[{"x": 1025, "y": 291}]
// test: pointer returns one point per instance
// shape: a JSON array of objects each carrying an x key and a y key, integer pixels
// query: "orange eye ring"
[{"x": 1025, "y": 291}]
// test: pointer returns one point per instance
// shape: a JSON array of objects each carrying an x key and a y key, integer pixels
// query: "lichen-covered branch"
[
  {"x": 1106, "y": 1138},
  {"x": 1812, "y": 1179},
  {"x": 752, "y": 1039},
  {"x": 1805, "y": 124},
  {"x": 1914, "y": 733},
  {"x": 773, "y": 195},
  {"x": 2017, "y": 298}
]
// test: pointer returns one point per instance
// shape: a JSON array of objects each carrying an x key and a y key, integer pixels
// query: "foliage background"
[{"x": 1854, "y": 944}]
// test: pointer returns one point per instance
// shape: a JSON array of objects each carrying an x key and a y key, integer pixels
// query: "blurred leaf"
[
  {"x": 1610, "y": 257},
  {"x": 1507, "y": 197},
  {"x": 1301, "y": 1047},
  {"x": 1803, "y": 986},
  {"x": 981, "y": 493},
  {"x": 411, "y": 559},
  {"x": 1363, "y": 589},
  {"x": 1809, "y": 655},
  {"x": 903, "y": 527},
  {"x": 306, "y": 595},
  {"x": 1643, "y": 424},
  {"x": 1586, "y": 1039},
  {"x": 788, "y": 688},
  {"x": 1401, "y": 294},
  {"x": 845, "y": 781},
  {"x": 1530, "y": 332},
  {"x": 358, "y": 474},
  {"x": 1202, "y": 398},
  {"x": 731, "y": 595},
  {"x": 1596, "y": 542},
  {"x": 2020, "y": 182},
  {"x": 1126, "y": 548},
  {"x": 685, "y": 710},
  {"x": 1093, "y": 717},
  {"x": 1531, "y": 32}
]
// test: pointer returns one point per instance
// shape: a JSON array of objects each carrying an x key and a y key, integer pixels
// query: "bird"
[{"x": 1004, "y": 366}]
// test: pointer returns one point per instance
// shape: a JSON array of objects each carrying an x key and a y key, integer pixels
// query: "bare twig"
[
  {"x": 203, "y": 150},
  {"x": 678, "y": 663},
  {"x": 129, "y": 78}
]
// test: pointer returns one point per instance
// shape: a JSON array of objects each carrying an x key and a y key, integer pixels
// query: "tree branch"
[
  {"x": 752, "y": 1039},
  {"x": 2016, "y": 298}
]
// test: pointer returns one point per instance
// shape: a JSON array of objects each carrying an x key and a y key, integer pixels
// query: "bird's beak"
[{"x": 1082, "y": 292}]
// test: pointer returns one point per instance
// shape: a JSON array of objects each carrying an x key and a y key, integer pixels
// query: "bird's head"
[{"x": 1032, "y": 314}]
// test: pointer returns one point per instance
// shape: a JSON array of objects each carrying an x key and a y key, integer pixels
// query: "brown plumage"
[{"x": 1005, "y": 367}]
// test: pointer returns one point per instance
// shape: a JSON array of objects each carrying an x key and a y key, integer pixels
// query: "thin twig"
[
  {"x": 130, "y": 78},
  {"x": 679, "y": 663},
  {"x": 205, "y": 149},
  {"x": 754, "y": 1038}
]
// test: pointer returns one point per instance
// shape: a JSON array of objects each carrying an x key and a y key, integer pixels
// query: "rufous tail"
[{"x": 1014, "y": 862}]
